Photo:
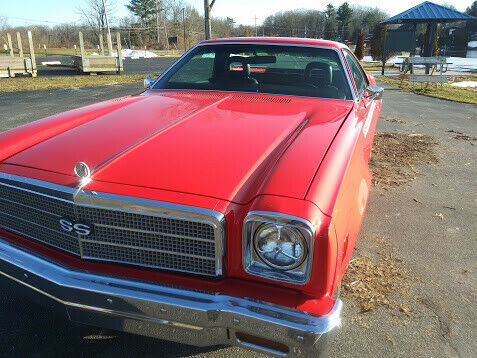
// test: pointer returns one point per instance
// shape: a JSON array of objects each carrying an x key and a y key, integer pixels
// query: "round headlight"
[{"x": 279, "y": 246}]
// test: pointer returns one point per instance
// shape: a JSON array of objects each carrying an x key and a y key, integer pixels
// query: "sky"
[{"x": 27, "y": 12}]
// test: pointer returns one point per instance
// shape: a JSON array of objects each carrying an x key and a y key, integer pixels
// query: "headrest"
[
  {"x": 238, "y": 73},
  {"x": 319, "y": 74}
]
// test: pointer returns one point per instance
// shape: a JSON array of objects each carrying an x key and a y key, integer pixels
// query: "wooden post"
[
  {"x": 83, "y": 55},
  {"x": 101, "y": 43},
  {"x": 10, "y": 45},
  {"x": 82, "y": 47},
  {"x": 110, "y": 44},
  {"x": 20, "y": 47},
  {"x": 32, "y": 55},
  {"x": 120, "y": 55}
]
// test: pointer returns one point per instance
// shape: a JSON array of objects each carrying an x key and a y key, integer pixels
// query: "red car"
[{"x": 220, "y": 206}]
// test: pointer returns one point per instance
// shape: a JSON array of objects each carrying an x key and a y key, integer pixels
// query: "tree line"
[{"x": 161, "y": 24}]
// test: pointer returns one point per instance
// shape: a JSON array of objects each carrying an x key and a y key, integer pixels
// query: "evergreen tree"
[
  {"x": 330, "y": 23},
  {"x": 344, "y": 15},
  {"x": 472, "y": 9},
  {"x": 143, "y": 9}
]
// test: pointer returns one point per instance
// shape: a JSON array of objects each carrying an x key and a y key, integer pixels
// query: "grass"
[
  {"x": 376, "y": 66},
  {"x": 452, "y": 93},
  {"x": 42, "y": 83}
]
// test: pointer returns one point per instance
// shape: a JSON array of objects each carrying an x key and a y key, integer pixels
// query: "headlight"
[{"x": 278, "y": 246}]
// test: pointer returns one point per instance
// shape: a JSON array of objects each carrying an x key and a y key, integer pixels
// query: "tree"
[
  {"x": 94, "y": 14},
  {"x": 143, "y": 9},
  {"x": 207, "y": 9},
  {"x": 330, "y": 22},
  {"x": 301, "y": 23},
  {"x": 344, "y": 15},
  {"x": 359, "y": 52},
  {"x": 377, "y": 42},
  {"x": 3, "y": 23},
  {"x": 472, "y": 9}
]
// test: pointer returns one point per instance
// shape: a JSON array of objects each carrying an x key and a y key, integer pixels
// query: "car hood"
[{"x": 227, "y": 146}]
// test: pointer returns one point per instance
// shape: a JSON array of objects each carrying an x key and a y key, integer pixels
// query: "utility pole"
[
  {"x": 107, "y": 20},
  {"x": 183, "y": 23},
  {"x": 157, "y": 25},
  {"x": 165, "y": 29},
  {"x": 110, "y": 45},
  {"x": 207, "y": 9},
  {"x": 256, "y": 26}
]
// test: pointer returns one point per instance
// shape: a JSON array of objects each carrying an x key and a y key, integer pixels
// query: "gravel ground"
[{"x": 427, "y": 225}]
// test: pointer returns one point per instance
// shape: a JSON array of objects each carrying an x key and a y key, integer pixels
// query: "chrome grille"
[{"x": 145, "y": 233}]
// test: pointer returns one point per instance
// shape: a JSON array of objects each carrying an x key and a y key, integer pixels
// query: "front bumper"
[{"x": 166, "y": 312}]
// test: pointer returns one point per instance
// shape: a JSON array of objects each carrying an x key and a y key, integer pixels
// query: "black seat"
[
  {"x": 239, "y": 77},
  {"x": 319, "y": 76}
]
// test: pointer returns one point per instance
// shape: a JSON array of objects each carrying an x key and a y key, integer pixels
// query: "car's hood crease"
[{"x": 217, "y": 145}]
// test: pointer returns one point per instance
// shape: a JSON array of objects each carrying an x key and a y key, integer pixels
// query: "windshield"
[{"x": 288, "y": 70}]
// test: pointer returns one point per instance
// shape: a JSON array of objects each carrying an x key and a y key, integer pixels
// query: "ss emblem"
[{"x": 80, "y": 229}]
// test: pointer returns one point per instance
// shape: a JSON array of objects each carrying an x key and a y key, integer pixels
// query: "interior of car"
[{"x": 310, "y": 72}]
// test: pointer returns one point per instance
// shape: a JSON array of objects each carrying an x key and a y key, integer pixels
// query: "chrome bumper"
[{"x": 171, "y": 313}]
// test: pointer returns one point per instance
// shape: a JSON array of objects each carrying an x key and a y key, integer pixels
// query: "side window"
[
  {"x": 198, "y": 70},
  {"x": 357, "y": 72}
]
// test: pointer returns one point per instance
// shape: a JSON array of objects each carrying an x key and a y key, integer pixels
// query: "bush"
[
  {"x": 377, "y": 43},
  {"x": 359, "y": 52}
]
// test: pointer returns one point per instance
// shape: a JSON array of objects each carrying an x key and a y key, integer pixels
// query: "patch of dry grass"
[
  {"x": 376, "y": 66},
  {"x": 379, "y": 282},
  {"x": 452, "y": 93},
  {"x": 395, "y": 155},
  {"x": 41, "y": 83},
  {"x": 368, "y": 285}
]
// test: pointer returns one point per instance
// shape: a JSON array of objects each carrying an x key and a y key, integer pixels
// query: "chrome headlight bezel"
[{"x": 255, "y": 265}]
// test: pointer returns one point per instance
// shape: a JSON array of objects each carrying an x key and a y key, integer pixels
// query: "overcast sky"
[{"x": 26, "y": 12}]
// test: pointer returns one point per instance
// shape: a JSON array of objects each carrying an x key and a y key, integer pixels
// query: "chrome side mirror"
[
  {"x": 373, "y": 93},
  {"x": 148, "y": 82}
]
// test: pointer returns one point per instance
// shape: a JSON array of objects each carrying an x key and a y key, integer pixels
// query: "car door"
[{"x": 368, "y": 110}]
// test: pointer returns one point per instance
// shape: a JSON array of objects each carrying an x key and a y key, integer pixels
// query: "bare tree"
[
  {"x": 207, "y": 9},
  {"x": 94, "y": 15},
  {"x": 3, "y": 23}
]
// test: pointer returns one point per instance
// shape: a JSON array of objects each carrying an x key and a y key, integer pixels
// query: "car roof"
[{"x": 279, "y": 40}]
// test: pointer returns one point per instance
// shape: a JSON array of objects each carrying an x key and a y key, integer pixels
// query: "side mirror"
[
  {"x": 373, "y": 93},
  {"x": 148, "y": 82}
]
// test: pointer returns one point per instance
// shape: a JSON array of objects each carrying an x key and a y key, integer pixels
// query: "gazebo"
[{"x": 429, "y": 13}]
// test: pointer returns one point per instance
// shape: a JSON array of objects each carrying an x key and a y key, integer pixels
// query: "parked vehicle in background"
[{"x": 220, "y": 206}]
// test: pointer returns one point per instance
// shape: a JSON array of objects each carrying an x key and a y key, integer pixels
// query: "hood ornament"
[{"x": 82, "y": 171}]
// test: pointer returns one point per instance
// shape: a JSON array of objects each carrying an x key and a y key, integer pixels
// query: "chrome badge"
[{"x": 82, "y": 170}]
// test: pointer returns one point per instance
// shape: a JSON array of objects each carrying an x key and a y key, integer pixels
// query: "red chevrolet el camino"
[{"x": 220, "y": 206}]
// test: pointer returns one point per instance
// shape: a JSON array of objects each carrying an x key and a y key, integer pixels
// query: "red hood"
[{"x": 226, "y": 146}]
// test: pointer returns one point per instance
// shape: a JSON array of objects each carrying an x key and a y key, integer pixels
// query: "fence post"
[
  {"x": 110, "y": 44},
  {"x": 101, "y": 43},
  {"x": 32, "y": 55},
  {"x": 83, "y": 56},
  {"x": 10, "y": 45},
  {"x": 20, "y": 47},
  {"x": 120, "y": 55},
  {"x": 82, "y": 48}
]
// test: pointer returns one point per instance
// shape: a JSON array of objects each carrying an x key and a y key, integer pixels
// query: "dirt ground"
[{"x": 411, "y": 287}]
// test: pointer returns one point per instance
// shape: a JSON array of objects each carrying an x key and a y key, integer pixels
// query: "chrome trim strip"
[
  {"x": 152, "y": 232},
  {"x": 253, "y": 265},
  {"x": 147, "y": 249},
  {"x": 22, "y": 234},
  {"x": 154, "y": 309},
  {"x": 114, "y": 202},
  {"x": 338, "y": 51},
  {"x": 33, "y": 223},
  {"x": 29, "y": 207}
]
